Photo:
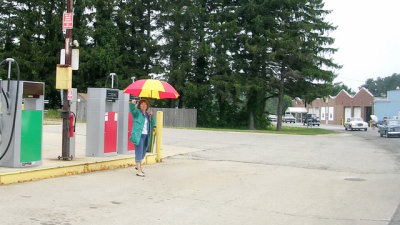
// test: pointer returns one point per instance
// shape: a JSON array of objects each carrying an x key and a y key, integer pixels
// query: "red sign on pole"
[
  {"x": 69, "y": 96},
  {"x": 68, "y": 21}
]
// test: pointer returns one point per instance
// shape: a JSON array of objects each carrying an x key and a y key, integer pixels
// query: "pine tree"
[
  {"x": 32, "y": 38},
  {"x": 254, "y": 47},
  {"x": 299, "y": 46},
  {"x": 197, "y": 91},
  {"x": 138, "y": 45},
  {"x": 103, "y": 48},
  {"x": 177, "y": 21}
]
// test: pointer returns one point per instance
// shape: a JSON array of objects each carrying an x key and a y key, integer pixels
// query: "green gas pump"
[
  {"x": 1, "y": 112},
  {"x": 21, "y": 127}
]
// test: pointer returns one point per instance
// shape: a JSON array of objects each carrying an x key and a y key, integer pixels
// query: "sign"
[
  {"x": 68, "y": 21},
  {"x": 74, "y": 60},
  {"x": 69, "y": 97}
]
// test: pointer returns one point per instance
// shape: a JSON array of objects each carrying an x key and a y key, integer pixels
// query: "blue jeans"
[{"x": 140, "y": 150}]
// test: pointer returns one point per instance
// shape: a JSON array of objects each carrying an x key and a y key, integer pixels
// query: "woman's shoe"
[
  {"x": 136, "y": 169},
  {"x": 140, "y": 174}
]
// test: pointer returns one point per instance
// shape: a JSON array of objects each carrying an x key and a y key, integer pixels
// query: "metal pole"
[
  {"x": 66, "y": 107},
  {"x": 8, "y": 77},
  {"x": 112, "y": 79}
]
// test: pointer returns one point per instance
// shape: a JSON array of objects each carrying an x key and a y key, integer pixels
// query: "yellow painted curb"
[{"x": 38, "y": 174}]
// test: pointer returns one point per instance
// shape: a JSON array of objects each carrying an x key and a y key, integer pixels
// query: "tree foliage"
[
  {"x": 226, "y": 58},
  {"x": 380, "y": 86}
]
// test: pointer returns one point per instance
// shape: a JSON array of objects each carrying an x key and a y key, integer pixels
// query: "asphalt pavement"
[{"x": 213, "y": 177}]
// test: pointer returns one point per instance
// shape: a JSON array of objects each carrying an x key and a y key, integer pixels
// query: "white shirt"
[{"x": 146, "y": 121}]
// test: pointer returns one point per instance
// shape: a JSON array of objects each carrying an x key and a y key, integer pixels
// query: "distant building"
[
  {"x": 388, "y": 107},
  {"x": 299, "y": 113},
  {"x": 335, "y": 110}
]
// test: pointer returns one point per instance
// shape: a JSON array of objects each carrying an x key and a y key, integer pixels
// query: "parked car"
[
  {"x": 378, "y": 123},
  {"x": 273, "y": 118},
  {"x": 390, "y": 128},
  {"x": 355, "y": 123},
  {"x": 289, "y": 118},
  {"x": 311, "y": 120}
]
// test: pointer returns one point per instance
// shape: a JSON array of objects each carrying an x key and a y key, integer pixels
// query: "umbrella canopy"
[{"x": 150, "y": 88}]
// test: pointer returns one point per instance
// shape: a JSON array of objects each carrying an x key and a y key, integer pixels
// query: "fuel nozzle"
[
  {"x": 7, "y": 94},
  {"x": 9, "y": 60}
]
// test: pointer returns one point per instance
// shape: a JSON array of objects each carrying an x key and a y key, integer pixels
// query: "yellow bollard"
[
  {"x": 159, "y": 128},
  {"x": 153, "y": 139}
]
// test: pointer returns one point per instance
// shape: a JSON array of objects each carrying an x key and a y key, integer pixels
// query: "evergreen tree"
[
  {"x": 224, "y": 81},
  {"x": 104, "y": 51},
  {"x": 225, "y": 57},
  {"x": 139, "y": 47},
  {"x": 299, "y": 46},
  {"x": 380, "y": 86},
  {"x": 7, "y": 28},
  {"x": 337, "y": 87},
  {"x": 197, "y": 91},
  {"x": 33, "y": 30},
  {"x": 81, "y": 32},
  {"x": 177, "y": 21},
  {"x": 252, "y": 52}
]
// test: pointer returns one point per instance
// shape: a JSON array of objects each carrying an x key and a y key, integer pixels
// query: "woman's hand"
[{"x": 134, "y": 102}]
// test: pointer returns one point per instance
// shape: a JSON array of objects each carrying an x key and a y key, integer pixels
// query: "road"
[
  {"x": 228, "y": 178},
  {"x": 391, "y": 145}
]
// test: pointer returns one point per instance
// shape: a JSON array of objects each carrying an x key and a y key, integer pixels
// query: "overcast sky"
[{"x": 368, "y": 39}]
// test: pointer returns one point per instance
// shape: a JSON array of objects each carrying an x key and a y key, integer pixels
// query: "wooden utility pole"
[{"x": 65, "y": 106}]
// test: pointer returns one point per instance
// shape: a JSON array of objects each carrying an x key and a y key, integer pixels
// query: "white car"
[
  {"x": 273, "y": 118},
  {"x": 355, "y": 123},
  {"x": 288, "y": 118}
]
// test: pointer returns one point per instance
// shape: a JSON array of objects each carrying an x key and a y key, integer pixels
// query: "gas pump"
[
  {"x": 101, "y": 122},
  {"x": 1, "y": 110},
  {"x": 21, "y": 129},
  {"x": 125, "y": 123}
]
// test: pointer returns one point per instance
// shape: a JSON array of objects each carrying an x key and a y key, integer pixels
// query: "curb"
[{"x": 45, "y": 173}]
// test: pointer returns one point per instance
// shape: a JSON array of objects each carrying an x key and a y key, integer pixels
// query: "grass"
[
  {"x": 272, "y": 130},
  {"x": 53, "y": 115}
]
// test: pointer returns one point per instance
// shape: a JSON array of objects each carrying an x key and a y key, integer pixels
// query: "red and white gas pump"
[{"x": 102, "y": 122}]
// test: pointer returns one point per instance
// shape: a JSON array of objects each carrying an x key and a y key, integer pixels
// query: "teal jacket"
[{"x": 138, "y": 123}]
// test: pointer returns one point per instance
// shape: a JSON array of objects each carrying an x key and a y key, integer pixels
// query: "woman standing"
[{"x": 142, "y": 124}]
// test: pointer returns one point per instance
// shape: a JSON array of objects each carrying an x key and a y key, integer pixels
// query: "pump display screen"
[
  {"x": 32, "y": 90},
  {"x": 112, "y": 94}
]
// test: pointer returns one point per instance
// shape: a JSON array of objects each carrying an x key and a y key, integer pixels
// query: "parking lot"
[
  {"x": 213, "y": 177},
  {"x": 392, "y": 144}
]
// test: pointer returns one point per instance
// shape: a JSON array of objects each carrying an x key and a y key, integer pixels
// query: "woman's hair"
[{"x": 141, "y": 101}]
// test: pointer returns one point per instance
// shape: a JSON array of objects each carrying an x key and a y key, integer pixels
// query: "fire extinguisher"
[{"x": 72, "y": 123}]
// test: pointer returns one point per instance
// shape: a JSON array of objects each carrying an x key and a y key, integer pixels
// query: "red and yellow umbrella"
[{"x": 150, "y": 88}]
